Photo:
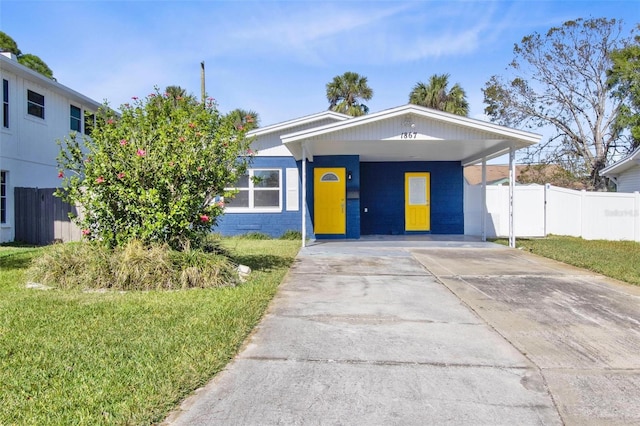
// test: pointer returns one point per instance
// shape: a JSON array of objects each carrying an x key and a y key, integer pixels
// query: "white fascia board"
[
  {"x": 488, "y": 154},
  {"x": 29, "y": 74},
  {"x": 526, "y": 137},
  {"x": 278, "y": 127},
  {"x": 622, "y": 165}
]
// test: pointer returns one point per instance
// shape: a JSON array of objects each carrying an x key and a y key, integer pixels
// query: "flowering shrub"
[{"x": 153, "y": 171}]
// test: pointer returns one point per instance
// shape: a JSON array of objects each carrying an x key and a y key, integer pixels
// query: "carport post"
[
  {"x": 512, "y": 179},
  {"x": 483, "y": 207},
  {"x": 304, "y": 195}
]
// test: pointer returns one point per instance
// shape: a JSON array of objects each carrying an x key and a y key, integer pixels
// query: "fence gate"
[{"x": 41, "y": 218}]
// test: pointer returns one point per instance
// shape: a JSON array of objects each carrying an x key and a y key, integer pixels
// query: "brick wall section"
[{"x": 382, "y": 193}]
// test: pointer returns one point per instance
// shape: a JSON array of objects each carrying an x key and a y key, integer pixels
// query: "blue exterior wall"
[
  {"x": 273, "y": 224},
  {"x": 382, "y": 194},
  {"x": 379, "y": 187},
  {"x": 352, "y": 165}
]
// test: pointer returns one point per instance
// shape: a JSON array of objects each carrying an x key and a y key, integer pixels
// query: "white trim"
[
  {"x": 483, "y": 200},
  {"x": 279, "y": 127},
  {"x": 512, "y": 178},
  {"x": 304, "y": 194},
  {"x": 292, "y": 189},
  {"x": 626, "y": 163}
]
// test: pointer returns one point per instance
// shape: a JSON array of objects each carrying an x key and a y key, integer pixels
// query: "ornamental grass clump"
[
  {"x": 69, "y": 266},
  {"x": 140, "y": 267},
  {"x": 134, "y": 266}
]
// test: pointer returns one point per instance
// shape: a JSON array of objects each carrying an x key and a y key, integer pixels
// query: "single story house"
[
  {"x": 625, "y": 173},
  {"x": 394, "y": 172}
]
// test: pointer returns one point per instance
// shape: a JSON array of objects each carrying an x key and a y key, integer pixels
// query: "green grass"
[
  {"x": 69, "y": 357},
  {"x": 615, "y": 259}
]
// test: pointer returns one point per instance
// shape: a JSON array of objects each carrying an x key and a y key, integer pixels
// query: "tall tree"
[
  {"x": 624, "y": 78},
  {"x": 8, "y": 44},
  {"x": 244, "y": 120},
  {"x": 176, "y": 94},
  {"x": 35, "y": 63},
  {"x": 559, "y": 79},
  {"x": 436, "y": 94},
  {"x": 346, "y": 92}
]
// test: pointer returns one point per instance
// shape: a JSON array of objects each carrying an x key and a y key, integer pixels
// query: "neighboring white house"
[
  {"x": 36, "y": 111},
  {"x": 625, "y": 173}
]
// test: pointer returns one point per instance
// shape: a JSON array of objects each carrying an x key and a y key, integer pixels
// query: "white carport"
[{"x": 412, "y": 133}]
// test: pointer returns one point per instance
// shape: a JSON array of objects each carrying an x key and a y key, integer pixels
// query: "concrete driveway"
[{"x": 376, "y": 332}]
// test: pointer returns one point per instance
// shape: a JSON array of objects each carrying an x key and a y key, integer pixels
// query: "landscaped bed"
[
  {"x": 75, "y": 357},
  {"x": 615, "y": 259}
]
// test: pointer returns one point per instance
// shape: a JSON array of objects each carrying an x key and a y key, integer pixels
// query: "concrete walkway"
[{"x": 432, "y": 332}]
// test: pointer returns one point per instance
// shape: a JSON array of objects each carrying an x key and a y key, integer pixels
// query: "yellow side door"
[
  {"x": 329, "y": 208},
  {"x": 417, "y": 208}
]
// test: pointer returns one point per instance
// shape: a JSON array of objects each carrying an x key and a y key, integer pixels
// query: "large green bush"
[{"x": 153, "y": 171}]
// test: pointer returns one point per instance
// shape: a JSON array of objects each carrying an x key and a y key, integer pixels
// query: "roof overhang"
[
  {"x": 623, "y": 165},
  {"x": 410, "y": 133},
  {"x": 12, "y": 65},
  {"x": 296, "y": 122}
]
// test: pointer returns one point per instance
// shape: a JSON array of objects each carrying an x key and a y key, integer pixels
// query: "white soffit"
[
  {"x": 625, "y": 164},
  {"x": 410, "y": 133}
]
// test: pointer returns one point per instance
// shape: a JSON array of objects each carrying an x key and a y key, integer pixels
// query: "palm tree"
[
  {"x": 176, "y": 93},
  {"x": 243, "y": 119},
  {"x": 435, "y": 95},
  {"x": 345, "y": 93}
]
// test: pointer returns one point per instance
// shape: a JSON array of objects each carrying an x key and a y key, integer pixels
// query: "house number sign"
[{"x": 409, "y": 135}]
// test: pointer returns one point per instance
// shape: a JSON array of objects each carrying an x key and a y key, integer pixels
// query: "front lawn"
[
  {"x": 71, "y": 357},
  {"x": 615, "y": 259}
]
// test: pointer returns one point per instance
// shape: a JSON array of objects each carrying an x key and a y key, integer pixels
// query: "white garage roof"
[{"x": 409, "y": 133}]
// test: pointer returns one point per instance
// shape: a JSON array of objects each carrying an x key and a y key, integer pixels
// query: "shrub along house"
[{"x": 395, "y": 172}]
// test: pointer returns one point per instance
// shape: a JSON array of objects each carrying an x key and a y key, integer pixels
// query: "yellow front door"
[
  {"x": 417, "y": 209},
  {"x": 329, "y": 208}
]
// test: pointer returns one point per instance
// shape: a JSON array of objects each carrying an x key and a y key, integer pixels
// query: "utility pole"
[{"x": 202, "y": 91}]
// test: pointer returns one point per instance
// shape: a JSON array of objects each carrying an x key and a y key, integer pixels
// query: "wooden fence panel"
[{"x": 42, "y": 218}]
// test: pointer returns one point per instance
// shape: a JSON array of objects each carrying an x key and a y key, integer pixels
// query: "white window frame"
[{"x": 251, "y": 188}]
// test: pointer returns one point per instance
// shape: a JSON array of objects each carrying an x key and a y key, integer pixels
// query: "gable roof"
[
  {"x": 307, "y": 119},
  {"x": 623, "y": 165},
  {"x": 410, "y": 133}
]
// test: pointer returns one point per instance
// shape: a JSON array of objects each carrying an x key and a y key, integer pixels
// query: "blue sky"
[{"x": 275, "y": 57}]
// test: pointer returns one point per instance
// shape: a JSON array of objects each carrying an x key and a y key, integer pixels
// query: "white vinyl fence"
[{"x": 541, "y": 210}]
